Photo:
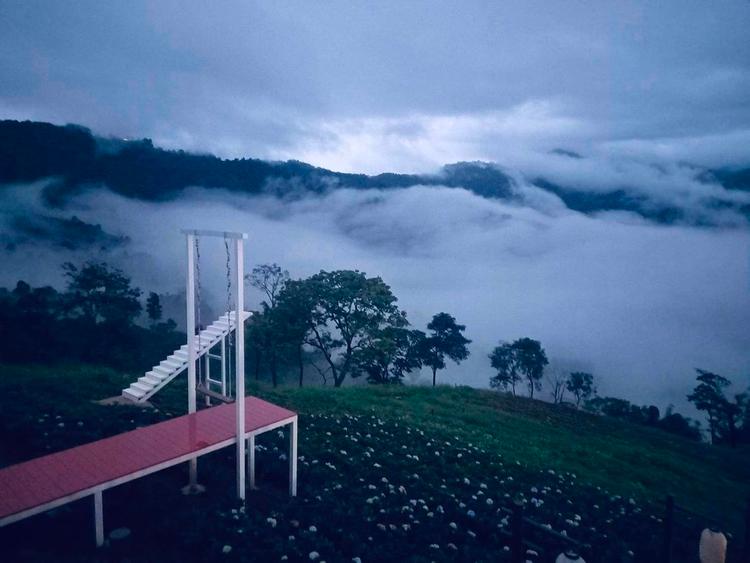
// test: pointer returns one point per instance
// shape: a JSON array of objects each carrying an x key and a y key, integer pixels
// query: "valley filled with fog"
[{"x": 638, "y": 304}]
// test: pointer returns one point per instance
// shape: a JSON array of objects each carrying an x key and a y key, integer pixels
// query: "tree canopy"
[{"x": 446, "y": 340}]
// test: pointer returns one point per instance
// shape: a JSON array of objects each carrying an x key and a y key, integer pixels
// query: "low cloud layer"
[{"x": 640, "y": 305}]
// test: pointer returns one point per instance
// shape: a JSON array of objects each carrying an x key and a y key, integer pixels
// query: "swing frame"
[{"x": 239, "y": 238}]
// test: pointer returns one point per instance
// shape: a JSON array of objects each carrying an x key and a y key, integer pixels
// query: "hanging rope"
[
  {"x": 198, "y": 303},
  {"x": 230, "y": 303}
]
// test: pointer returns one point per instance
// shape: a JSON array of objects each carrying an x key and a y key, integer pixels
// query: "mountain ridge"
[{"x": 78, "y": 160}]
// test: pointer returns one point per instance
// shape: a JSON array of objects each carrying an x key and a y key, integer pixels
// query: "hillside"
[
  {"x": 460, "y": 455},
  {"x": 79, "y": 160}
]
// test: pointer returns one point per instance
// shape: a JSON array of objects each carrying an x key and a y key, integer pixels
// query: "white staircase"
[{"x": 175, "y": 364}]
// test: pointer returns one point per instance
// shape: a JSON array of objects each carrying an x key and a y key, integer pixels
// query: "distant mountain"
[{"x": 78, "y": 160}]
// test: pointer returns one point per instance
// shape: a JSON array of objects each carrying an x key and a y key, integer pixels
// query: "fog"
[{"x": 639, "y": 305}]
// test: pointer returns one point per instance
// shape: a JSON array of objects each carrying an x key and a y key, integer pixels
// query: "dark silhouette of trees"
[
  {"x": 92, "y": 321},
  {"x": 392, "y": 352},
  {"x": 523, "y": 359},
  {"x": 724, "y": 415},
  {"x": 580, "y": 385},
  {"x": 153, "y": 307},
  {"x": 99, "y": 293},
  {"x": 446, "y": 340},
  {"x": 503, "y": 359}
]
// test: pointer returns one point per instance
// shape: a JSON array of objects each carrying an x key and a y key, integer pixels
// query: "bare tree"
[{"x": 270, "y": 279}]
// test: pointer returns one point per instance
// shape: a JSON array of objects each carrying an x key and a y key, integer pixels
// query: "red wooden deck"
[{"x": 105, "y": 463}]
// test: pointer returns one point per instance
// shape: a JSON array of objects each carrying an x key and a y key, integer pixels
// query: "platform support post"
[
  {"x": 240, "y": 368},
  {"x": 99, "y": 518},
  {"x": 293, "y": 458},
  {"x": 190, "y": 294},
  {"x": 251, "y": 461},
  {"x": 224, "y": 365}
]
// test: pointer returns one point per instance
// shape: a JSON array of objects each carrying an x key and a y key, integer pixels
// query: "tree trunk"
[
  {"x": 274, "y": 374},
  {"x": 301, "y": 365},
  {"x": 434, "y": 371}
]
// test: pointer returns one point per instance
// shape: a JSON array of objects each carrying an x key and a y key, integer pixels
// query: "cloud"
[
  {"x": 640, "y": 305},
  {"x": 423, "y": 142}
]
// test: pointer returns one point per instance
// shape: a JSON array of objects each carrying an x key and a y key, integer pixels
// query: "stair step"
[
  {"x": 149, "y": 380},
  {"x": 206, "y": 339},
  {"x": 132, "y": 394}
]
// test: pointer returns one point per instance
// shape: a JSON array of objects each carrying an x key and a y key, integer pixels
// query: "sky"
[
  {"x": 648, "y": 93},
  {"x": 388, "y": 86}
]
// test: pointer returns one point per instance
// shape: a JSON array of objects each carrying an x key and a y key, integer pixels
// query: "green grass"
[
  {"x": 624, "y": 458},
  {"x": 45, "y": 409}
]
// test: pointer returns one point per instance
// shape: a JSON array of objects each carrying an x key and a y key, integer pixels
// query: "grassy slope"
[{"x": 623, "y": 458}]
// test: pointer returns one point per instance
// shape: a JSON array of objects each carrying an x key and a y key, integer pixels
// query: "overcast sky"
[{"x": 381, "y": 86}]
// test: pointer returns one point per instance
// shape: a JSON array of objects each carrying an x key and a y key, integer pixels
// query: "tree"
[
  {"x": 153, "y": 307},
  {"x": 99, "y": 293},
  {"x": 446, "y": 340},
  {"x": 530, "y": 359},
  {"x": 391, "y": 353},
  {"x": 708, "y": 396},
  {"x": 270, "y": 279},
  {"x": 267, "y": 331},
  {"x": 291, "y": 318},
  {"x": 557, "y": 380},
  {"x": 581, "y": 385},
  {"x": 503, "y": 360},
  {"x": 675, "y": 423},
  {"x": 348, "y": 311}
]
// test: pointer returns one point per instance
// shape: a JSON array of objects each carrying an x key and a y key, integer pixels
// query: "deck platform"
[{"x": 46, "y": 482}]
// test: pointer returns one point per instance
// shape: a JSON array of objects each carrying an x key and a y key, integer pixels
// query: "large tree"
[
  {"x": 446, "y": 340},
  {"x": 267, "y": 330},
  {"x": 291, "y": 320},
  {"x": 269, "y": 279},
  {"x": 523, "y": 359},
  {"x": 348, "y": 312},
  {"x": 531, "y": 361},
  {"x": 503, "y": 360},
  {"x": 581, "y": 385},
  {"x": 724, "y": 415},
  {"x": 391, "y": 353}
]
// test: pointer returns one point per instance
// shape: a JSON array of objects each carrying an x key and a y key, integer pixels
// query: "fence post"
[
  {"x": 517, "y": 552},
  {"x": 746, "y": 550},
  {"x": 668, "y": 528}
]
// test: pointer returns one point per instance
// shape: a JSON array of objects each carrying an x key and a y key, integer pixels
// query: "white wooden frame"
[{"x": 239, "y": 239}]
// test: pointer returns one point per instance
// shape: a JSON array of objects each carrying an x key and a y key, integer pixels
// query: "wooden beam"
[
  {"x": 99, "y": 518},
  {"x": 209, "y": 233},
  {"x": 293, "y": 458},
  {"x": 239, "y": 333}
]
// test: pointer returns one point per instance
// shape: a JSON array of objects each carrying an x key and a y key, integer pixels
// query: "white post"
[
  {"x": 251, "y": 461},
  {"x": 224, "y": 366},
  {"x": 239, "y": 400},
  {"x": 190, "y": 292},
  {"x": 99, "y": 518},
  {"x": 293, "y": 458}
]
